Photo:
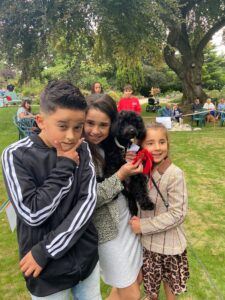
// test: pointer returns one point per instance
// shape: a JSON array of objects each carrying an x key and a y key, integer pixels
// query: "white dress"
[{"x": 121, "y": 258}]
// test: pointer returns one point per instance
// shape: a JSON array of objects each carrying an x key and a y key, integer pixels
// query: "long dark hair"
[
  {"x": 24, "y": 102},
  {"x": 93, "y": 87},
  {"x": 111, "y": 163}
]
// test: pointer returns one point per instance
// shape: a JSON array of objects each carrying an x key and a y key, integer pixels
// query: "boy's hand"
[
  {"x": 135, "y": 224},
  {"x": 69, "y": 153},
  {"x": 29, "y": 266}
]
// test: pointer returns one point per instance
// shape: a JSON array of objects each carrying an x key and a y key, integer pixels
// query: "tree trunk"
[
  {"x": 24, "y": 74},
  {"x": 184, "y": 51},
  {"x": 192, "y": 85},
  {"x": 187, "y": 66}
]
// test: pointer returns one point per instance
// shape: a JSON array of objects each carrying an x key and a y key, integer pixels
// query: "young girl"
[
  {"x": 177, "y": 113},
  {"x": 96, "y": 88},
  {"x": 25, "y": 110},
  {"x": 163, "y": 239},
  {"x": 120, "y": 250}
]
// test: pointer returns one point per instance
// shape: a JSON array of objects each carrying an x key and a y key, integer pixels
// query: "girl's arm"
[
  {"x": 177, "y": 199},
  {"x": 26, "y": 115},
  {"x": 108, "y": 189}
]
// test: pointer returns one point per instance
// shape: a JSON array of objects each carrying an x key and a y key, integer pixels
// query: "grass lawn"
[{"x": 201, "y": 155}]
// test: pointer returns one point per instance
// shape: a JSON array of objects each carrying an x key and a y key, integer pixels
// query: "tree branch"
[
  {"x": 187, "y": 6},
  {"x": 208, "y": 36},
  {"x": 171, "y": 60}
]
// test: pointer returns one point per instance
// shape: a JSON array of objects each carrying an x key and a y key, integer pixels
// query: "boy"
[
  {"x": 129, "y": 102},
  {"x": 51, "y": 182}
]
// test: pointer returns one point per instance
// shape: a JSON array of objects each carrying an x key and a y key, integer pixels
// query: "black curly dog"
[{"x": 129, "y": 126}]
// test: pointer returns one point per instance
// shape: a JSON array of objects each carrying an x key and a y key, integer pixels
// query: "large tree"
[
  {"x": 34, "y": 32},
  {"x": 188, "y": 34},
  {"x": 132, "y": 30},
  {"x": 31, "y": 31},
  {"x": 126, "y": 32}
]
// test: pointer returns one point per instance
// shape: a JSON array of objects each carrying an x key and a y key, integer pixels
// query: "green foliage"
[
  {"x": 214, "y": 94},
  {"x": 115, "y": 95},
  {"x": 33, "y": 90},
  {"x": 131, "y": 72},
  {"x": 33, "y": 28},
  {"x": 188, "y": 35},
  {"x": 92, "y": 71},
  {"x": 162, "y": 77},
  {"x": 222, "y": 92},
  {"x": 58, "y": 71},
  {"x": 110, "y": 41},
  {"x": 127, "y": 37},
  {"x": 23, "y": 35},
  {"x": 213, "y": 70}
]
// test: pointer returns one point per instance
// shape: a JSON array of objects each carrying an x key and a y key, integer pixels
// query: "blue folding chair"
[
  {"x": 25, "y": 126},
  {"x": 222, "y": 118},
  {"x": 199, "y": 118}
]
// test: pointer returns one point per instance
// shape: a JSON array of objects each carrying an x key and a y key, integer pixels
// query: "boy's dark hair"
[
  {"x": 10, "y": 87},
  {"x": 128, "y": 87},
  {"x": 61, "y": 94}
]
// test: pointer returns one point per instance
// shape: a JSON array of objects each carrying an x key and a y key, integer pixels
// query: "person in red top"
[{"x": 129, "y": 102}]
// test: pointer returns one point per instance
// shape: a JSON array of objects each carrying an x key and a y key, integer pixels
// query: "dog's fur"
[{"x": 129, "y": 126}]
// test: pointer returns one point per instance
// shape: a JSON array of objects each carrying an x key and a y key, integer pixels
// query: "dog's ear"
[
  {"x": 141, "y": 135},
  {"x": 123, "y": 114},
  {"x": 114, "y": 127},
  {"x": 140, "y": 127}
]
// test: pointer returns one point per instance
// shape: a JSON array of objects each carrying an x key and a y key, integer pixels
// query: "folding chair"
[
  {"x": 25, "y": 126},
  {"x": 222, "y": 118},
  {"x": 199, "y": 118}
]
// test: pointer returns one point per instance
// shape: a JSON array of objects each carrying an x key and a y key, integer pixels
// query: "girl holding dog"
[
  {"x": 120, "y": 250},
  {"x": 163, "y": 239}
]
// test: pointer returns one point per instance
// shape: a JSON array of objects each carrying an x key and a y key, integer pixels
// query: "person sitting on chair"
[
  {"x": 167, "y": 111},
  {"x": 25, "y": 110},
  {"x": 2, "y": 92},
  {"x": 28, "y": 119},
  {"x": 211, "y": 108},
  {"x": 10, "y": 94},
  {"x": 221, "y": 107},
  {"x": 177, "y": 113},
  {"x": 196, "y": 106}
]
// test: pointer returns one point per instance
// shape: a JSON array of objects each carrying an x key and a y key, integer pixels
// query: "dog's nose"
[{"x": 132, "y": 131}]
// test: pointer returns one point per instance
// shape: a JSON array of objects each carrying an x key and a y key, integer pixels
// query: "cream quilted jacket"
[{"x": 161, "y": 229}]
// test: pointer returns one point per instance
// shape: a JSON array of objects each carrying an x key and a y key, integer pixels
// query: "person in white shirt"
[{"x": 211, "y": 108}]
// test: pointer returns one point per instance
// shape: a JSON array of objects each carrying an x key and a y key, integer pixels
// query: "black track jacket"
[{"x": 54, "y": 200}]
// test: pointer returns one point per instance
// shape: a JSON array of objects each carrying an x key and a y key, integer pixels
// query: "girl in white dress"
[{"x": 120, "y": 250}]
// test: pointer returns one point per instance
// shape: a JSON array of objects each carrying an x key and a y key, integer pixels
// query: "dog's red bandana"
[{"x": 147, "y": 159}]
